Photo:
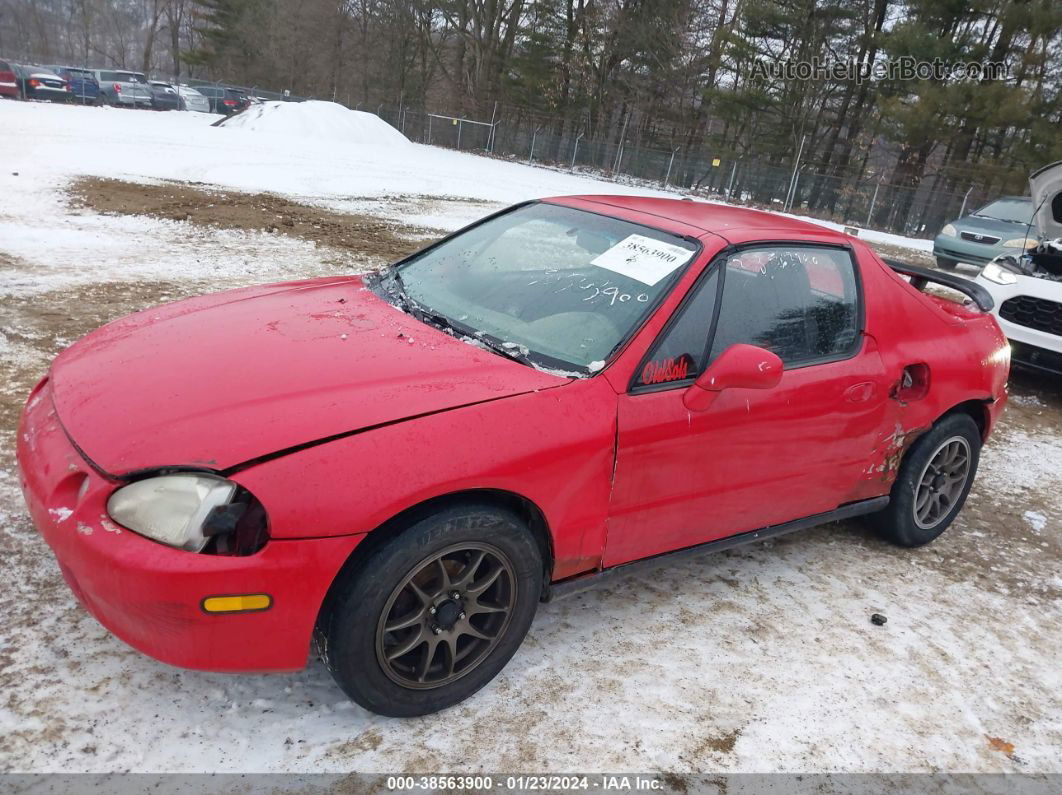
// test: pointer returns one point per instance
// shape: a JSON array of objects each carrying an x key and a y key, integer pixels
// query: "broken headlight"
[{"x": 189, "y": 510}]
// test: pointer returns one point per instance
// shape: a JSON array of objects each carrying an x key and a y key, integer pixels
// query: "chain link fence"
[{"x": 864, "y": 200}]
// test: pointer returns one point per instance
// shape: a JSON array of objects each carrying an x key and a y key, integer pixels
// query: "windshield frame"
[{"x": 541, "y": 361}]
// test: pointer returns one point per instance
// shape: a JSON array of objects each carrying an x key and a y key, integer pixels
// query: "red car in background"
[
  {"x": 8, "y": 81},
  {"x": 404, "y": 465}
]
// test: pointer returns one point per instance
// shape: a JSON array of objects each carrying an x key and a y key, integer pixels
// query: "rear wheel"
[
  {"x": 946, "y": 264},
  {"x": 433, "y": 614},
  {"x": 931, "y": 486}
]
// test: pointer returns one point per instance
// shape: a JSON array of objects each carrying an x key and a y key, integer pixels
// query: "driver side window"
[{"x": 800, "y": 302}]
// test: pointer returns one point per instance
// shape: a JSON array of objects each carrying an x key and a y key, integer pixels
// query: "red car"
[
  {"x": 404, "y": 465},
  {"x": 8, "y": 81}
]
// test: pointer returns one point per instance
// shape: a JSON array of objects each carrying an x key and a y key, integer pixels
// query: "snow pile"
[{"x": 315, "y": 119}]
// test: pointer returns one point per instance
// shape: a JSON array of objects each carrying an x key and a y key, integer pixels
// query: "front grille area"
[
  {"x": 1037, "y": 313},
  {"x": 1037, "y": 358},
  {"x": 973, "y": 237}
]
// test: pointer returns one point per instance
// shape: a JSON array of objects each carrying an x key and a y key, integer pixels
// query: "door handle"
[{"x": 859, "y": 393}]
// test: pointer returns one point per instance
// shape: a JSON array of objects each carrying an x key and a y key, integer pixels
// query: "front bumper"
[
  {"x": 1030, "y": 340},
  {"x": 150, "y": 595},
  {"x": 959, "y": 250}
]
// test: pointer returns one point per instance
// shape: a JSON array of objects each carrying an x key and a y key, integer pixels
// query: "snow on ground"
[
  {"x": 759, "y": 659},
  {"x": 304, "y": 157},
  {"x": 329, "y": 121}
]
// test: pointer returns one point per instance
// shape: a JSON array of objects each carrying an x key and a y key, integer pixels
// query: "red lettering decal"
[{"x": 666, "y": 370}]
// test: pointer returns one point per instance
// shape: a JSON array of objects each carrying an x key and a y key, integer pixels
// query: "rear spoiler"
[{"x": 920, "y": 276}]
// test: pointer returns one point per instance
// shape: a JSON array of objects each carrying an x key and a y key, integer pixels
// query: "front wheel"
[
  {"x": 931, "y": 486},
  {"x": 433, "y": 614},
  {"x": 946, "y": 264}
]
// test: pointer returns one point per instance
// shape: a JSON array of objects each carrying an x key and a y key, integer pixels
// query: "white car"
[
  {"x": 193, "y": 100},
  {"x": 1027, "y": 289}
]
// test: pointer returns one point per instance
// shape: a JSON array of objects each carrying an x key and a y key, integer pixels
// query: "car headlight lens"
[
  {"x": 949, "y": 230},
  {"x": 171, "y": 509},
  {"x": 1020, "y": 242},
  {"x": 994, "y": 273}
]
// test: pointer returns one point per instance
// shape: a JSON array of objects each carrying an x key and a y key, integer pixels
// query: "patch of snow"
[
  {"x": 1036, "y": 520},
  {"x": 1020, "y": 460}
]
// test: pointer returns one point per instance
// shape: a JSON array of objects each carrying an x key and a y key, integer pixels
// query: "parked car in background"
[
  {"x": 84, "y": 88},
  {"x": 1027, "y": 285},
  {"x": 164, "y": 96},
  {"x": 36, "y": 82},
  {"x": 224, "y": 100},
  {"x": 1000, "y": 227},
  {"x": 191, "y": 99},
  {"x": 124, "y": 89},
  {"x": 8, "y": 81},
  {"x": 568, "y": 386}
]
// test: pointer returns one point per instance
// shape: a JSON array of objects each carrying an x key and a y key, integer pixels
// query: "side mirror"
[{"x": 738, "y": 367}]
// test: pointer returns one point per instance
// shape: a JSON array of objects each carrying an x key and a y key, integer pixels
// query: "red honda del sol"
[{"x": 396, "y": 468}]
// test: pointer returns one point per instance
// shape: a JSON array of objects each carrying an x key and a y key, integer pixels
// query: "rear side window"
[
  {"x": 801, "y": 302},
  {"x": 679, "y": 353}
]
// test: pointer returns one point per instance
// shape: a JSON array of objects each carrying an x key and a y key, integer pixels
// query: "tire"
[
  {"x": 946, "y": 264},
  {"x": 385, "y": 671},
  {"x": 915, "y": 515}
]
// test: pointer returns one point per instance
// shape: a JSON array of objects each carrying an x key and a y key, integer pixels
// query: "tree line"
[{"x": 694, "y": 77}]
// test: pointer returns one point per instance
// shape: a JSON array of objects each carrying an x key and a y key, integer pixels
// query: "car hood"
[
  {"x": 223, "y": 379},
  {"x": 983, "y": 225},
  {"x": 1046, "y": 188}
]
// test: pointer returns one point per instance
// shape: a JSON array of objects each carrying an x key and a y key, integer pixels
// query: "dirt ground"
[
  {"x": 757, "y": 659},
  {"x": 361, "y": 235}
]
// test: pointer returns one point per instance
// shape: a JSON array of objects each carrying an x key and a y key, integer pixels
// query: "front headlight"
[
  {"x": 949, "y": 230},
  {"x": 1020, "y": 242},
  {"x": 994, "y": 273},
  {"x": 171, "y": 509}
]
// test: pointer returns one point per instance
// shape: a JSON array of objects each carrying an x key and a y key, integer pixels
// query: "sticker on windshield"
[{"x": 642, "y": 258}]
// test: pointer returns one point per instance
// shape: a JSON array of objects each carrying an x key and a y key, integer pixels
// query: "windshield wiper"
[
  {"x": 397, "y": 290},
  {"x": 510, "y": 350}
]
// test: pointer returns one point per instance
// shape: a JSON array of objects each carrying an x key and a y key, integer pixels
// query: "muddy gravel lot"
[{"x": 759, "y": 659}]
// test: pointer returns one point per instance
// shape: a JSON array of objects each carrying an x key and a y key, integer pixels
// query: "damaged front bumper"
[{"x": 151, "y": 595}]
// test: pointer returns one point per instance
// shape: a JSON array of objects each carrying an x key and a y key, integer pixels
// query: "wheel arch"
[
  {"x": 525, "y": 508},
  {"x": 977, "y": 410}
]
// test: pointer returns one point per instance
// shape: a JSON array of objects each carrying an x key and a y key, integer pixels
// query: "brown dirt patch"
[{"x": 361, "y": 235}]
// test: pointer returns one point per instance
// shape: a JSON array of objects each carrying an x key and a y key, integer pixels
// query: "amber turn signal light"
[{"x": 239, "y": 603}]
